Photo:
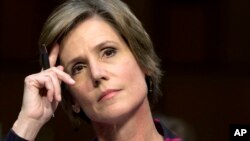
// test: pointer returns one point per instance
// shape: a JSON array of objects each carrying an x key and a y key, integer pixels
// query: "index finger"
[{"x": 54, "y": 54}]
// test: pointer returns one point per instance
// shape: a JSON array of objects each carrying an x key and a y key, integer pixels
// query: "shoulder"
[
  {"x": 165, "y": 132},
  {"x": 12, "y": 136}
]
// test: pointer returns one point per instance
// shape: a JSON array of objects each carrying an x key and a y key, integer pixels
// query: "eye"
[
  {"x": 109, "y": 52},
  {"x": 77, "y": 68}
]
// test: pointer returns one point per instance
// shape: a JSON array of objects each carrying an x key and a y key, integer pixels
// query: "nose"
[{"x": 98, "y": 73}]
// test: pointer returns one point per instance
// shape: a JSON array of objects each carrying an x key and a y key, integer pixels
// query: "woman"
[{"x": 109, "y": 72}]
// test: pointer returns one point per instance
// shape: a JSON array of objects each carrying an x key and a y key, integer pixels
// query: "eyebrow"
[
  {"x": 104, "y": 43},
  {"x": 73, "y": 61},
  {"x": 97, "y": 47}
]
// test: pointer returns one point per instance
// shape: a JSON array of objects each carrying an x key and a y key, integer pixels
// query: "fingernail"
[
  {"x": 50, "y": 99},
  {"x": 60, "y": 68},
  {"x": 72, "y": 81},
  {"x": 59, "y": 98}
]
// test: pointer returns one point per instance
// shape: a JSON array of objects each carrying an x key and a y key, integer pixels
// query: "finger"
[
  {"x": 46, "y": 82},
  {"x": 56, "y": 85},
  {"x": 54, "y": 54},
  {"x": 66, "y": 78},
  {"x": 54, "y": 105},
  {"x": 61, "y": 69}
]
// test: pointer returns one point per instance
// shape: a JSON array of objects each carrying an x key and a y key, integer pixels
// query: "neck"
[{"x": 138, "y": 126}]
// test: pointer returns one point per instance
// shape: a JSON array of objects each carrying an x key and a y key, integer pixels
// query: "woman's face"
[{"x": 110, "y": 85}]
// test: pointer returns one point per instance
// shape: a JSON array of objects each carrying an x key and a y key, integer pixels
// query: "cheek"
[
  {"x": 134, "y": 77},
  {"x": 137, "y": 84},
  {"x": 80, "y": 92}
]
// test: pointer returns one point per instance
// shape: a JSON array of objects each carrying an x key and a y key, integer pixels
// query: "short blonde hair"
[{"x": 72, "y": 12}]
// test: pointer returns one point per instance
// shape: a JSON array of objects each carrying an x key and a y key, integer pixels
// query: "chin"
[
  {"x": 112, "y": 114},
  {"x": 117, "y": 113}
]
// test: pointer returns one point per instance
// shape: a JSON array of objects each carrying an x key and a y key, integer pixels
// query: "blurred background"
[{"x": 205, "y": 50}]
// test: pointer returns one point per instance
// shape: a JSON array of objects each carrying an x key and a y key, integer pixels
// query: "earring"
[
  {"x": 149, "y": 84},
  {"x": 76, "y": 109}
]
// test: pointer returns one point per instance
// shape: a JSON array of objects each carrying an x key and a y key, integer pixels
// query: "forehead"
[
  {"x": 90, "y": 33},
  {"x": 94, "y": 26}
]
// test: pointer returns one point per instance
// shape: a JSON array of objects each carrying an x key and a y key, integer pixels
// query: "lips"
[{"x": 108, "y": 94}]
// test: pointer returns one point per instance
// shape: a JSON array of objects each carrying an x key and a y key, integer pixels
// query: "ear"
[{"x": 76, "y": 108}]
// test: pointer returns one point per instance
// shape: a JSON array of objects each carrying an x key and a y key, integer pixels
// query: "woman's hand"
[{"x": 42, "y": 94}]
